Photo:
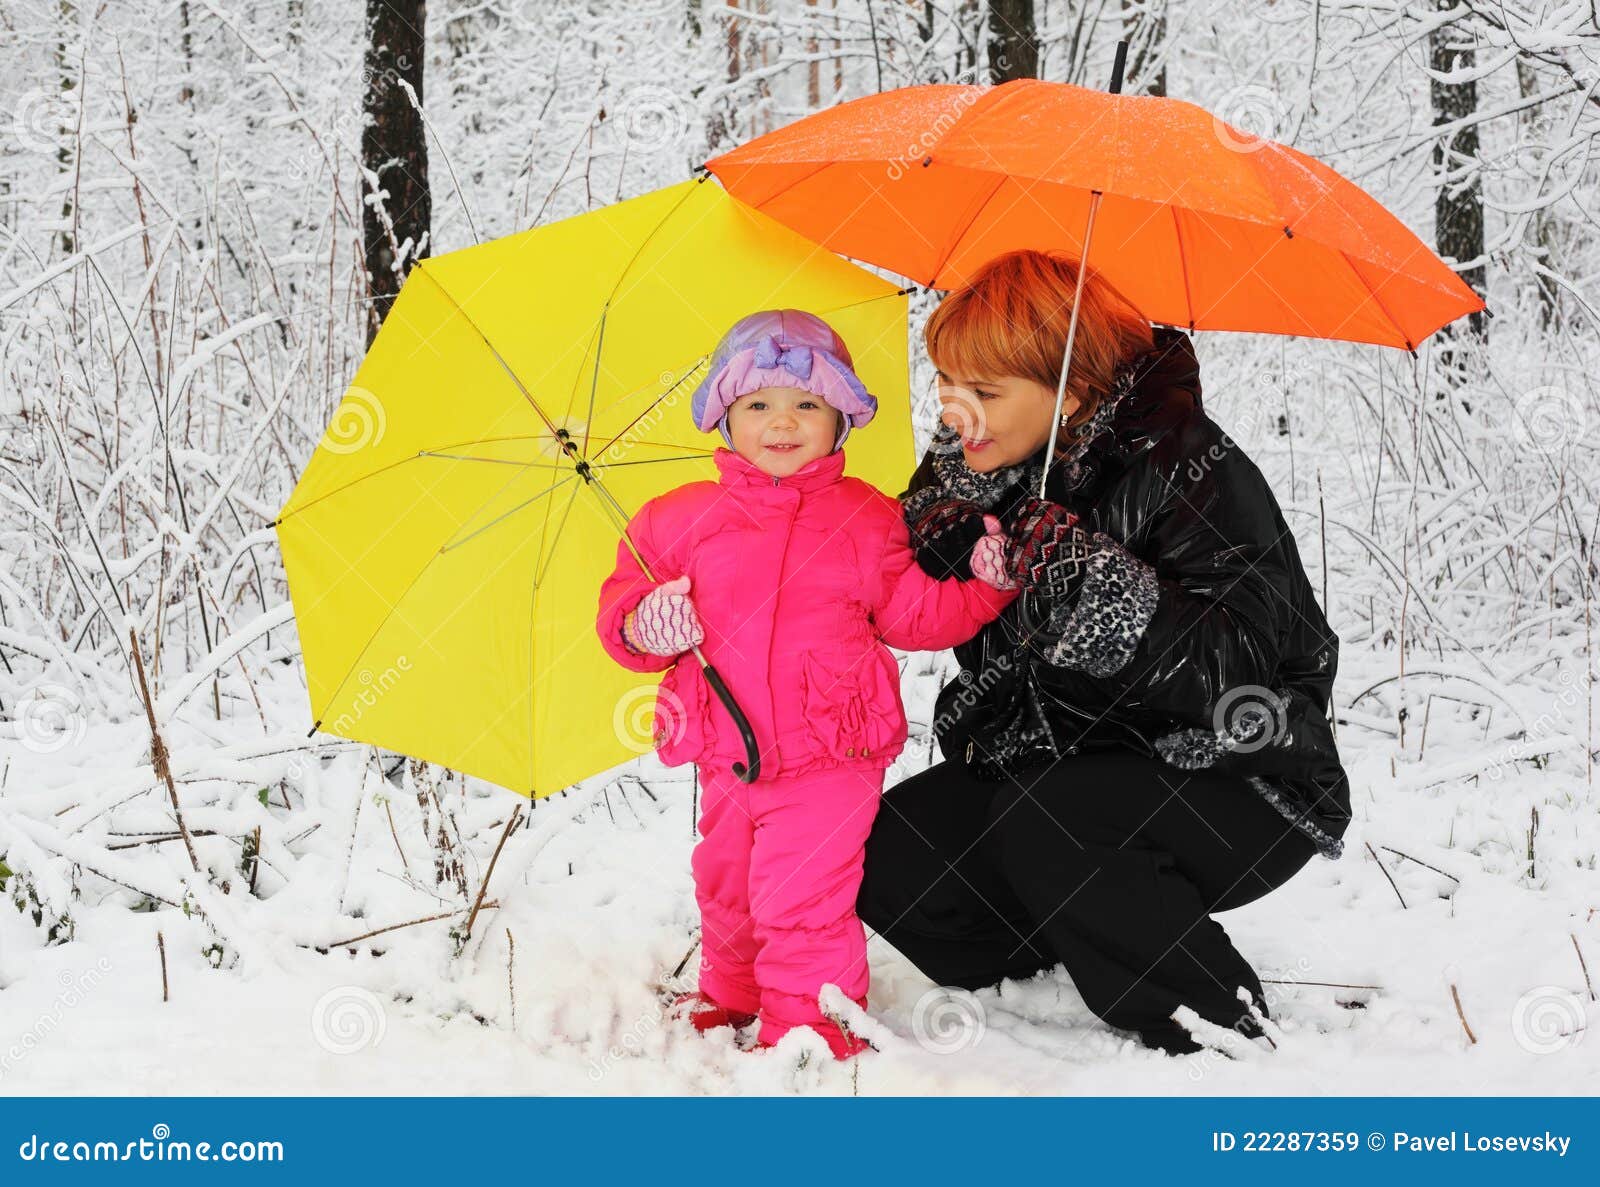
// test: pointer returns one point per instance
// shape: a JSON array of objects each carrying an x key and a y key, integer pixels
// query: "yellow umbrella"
[{"x": 446, "y": 543}]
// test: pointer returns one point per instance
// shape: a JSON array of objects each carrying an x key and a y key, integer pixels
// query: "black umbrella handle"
[{"x": 747, "y": 772}]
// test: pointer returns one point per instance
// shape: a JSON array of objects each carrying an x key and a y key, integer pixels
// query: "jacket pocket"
[
  {"x": 681, "y": 729},
  {"x": 852, "y": 703}
]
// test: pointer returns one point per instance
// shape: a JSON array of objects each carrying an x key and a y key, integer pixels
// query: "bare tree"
[
  {"x": 1144, "y": 25},
  {"x": 1013, "y": 41},
  {"x": 1458, "y": 206},
  {"x": 398, "y": 214}
]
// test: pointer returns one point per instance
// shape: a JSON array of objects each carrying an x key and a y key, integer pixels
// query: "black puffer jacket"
[{"x": 1194, "y": 634}]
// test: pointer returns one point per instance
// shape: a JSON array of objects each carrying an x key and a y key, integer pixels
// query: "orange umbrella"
[{"x": 1198, "y": 224}]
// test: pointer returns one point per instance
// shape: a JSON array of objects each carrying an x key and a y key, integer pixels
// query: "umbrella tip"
[{"x": 315, "y": 726}]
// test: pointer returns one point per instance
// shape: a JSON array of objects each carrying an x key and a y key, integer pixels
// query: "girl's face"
[
  {"x": 1002, "y": 421},
  {"x": 780, "y": 429}
]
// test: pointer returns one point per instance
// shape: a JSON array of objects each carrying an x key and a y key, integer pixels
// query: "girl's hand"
[
  {"x": 664, "y": 622},
  {"x": 989, "y": 556}
]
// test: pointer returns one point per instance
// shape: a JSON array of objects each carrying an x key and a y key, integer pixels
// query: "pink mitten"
[
  {"x": 664, "y": 622},
  {"x": 989, "y": 556}
]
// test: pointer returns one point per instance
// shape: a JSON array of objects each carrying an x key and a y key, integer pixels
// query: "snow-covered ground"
[{"x": 557, "y": 989}]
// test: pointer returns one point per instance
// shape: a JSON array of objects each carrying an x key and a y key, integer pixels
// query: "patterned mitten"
[
  {"x": 1047, "y": 550},
  {"x": 944, "y": 535},
  {"x": 989, "y": 557},
  {"x": 664, "y": 622}
]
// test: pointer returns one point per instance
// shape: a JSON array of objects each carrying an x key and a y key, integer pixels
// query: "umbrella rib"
[
  {"x": 341, "y": 489},
  {"x": 645, "y": 242},
  {"x": 677, "y": 383},
  {"x": 533, "y": 602},
  {"x": 984, "y": 105},
  {"x": 494, "y": 461},
  {"x": 504, "y": 366},
  {"x": 421, "y": 453},
  {"x": 594, "y": 379},
  {"x": 1376, "y": 300},
  {"x": 550, "y": 551},
  {"x": 450, "y": 545},
  {"x": 695, "y": 456},
  {"x": 405, "y": 593},
  {"x": 962, "y": 234},
  {"x": 616, "y": 287},
  {"x": 776, "y": 194},
  {"x": 1183, "y": 267}
]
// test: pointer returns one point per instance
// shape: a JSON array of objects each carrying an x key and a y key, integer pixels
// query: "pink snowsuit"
[{"x": 799, "y": 582}]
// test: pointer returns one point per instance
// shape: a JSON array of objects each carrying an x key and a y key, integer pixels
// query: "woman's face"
[
  {"x": 780, "y": 429},
  {"x": 1002, "y": 420}
]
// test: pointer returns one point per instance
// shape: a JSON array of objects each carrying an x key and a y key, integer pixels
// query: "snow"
[{"x": 558, "y": 987}]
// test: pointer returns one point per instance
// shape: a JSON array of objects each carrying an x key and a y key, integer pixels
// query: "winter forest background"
[{"x": 204, "y": 207}]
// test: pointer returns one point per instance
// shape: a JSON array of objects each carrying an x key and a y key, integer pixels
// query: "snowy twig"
[
  {"x": 1461, "y": 1014},
  {"x": 158, "y": 751},
  {"x": 1392, "y": 886},
  {"x": 511, "y": 823}
]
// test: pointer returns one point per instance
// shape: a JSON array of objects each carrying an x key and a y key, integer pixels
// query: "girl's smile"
[{"x": 781, "y": 429}]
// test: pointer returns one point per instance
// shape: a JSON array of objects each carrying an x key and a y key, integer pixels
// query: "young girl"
[{"x": 791, "y": 578}]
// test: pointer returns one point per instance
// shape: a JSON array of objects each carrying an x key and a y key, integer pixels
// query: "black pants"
[{"x": 1107, "y": 862}]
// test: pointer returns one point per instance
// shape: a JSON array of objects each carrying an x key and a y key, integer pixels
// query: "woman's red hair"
[{"x": 1011, "y": 318}]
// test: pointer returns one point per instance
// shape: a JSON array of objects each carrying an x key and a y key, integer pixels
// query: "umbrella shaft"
[{"x": 1072, "y": 333}]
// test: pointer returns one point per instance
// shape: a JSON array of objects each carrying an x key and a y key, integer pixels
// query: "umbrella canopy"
[
  {"x": 1199, "y": 224},
  {"x": 443, "y": 551}
]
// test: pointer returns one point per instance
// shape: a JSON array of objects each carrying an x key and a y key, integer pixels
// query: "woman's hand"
[
  {"x": 1046, "y": 550},
  {"x": 664, "y": 622},
  {"x": 945, "y": 535},
  {"x": 989, "y": 556}
]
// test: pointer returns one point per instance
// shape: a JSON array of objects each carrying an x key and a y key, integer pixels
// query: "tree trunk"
[
  {"x": 1013, "y": 41},
  {"x": 1458, "y": 208},
  {"x": 395, "y": 227},
  {"x": 1543, "y": 235},
  {"x": 64, "y": 71}
]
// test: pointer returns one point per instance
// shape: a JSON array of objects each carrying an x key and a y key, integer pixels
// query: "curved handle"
[{"x": 746, "y": 772}]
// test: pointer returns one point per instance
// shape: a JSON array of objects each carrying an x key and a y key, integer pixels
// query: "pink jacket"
[{"x": 799, "y": 582}]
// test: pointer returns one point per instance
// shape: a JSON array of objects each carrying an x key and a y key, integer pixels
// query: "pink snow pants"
[{"x": 776, "y": 874}]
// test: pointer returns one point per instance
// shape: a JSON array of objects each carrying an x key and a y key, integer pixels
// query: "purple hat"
[{"x": 781, "y": 348}]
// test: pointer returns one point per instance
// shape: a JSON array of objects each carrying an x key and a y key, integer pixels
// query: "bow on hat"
[{"x": 773, "y": 353}]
